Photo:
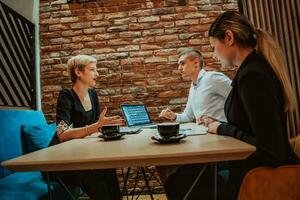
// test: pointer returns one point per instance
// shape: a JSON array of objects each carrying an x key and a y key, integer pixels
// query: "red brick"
[
  {"x": 117, "y": 28},
  {"x": 58, "y": 27},
  {"x": 150, "y": 46},
  {"x": 50, "y": 21},
  {"x": 144, "y": 40},
  {"x": 199, "y": 28},
  {"x": 115, "y": 15},
  {"x": 131, "y": 61},
  {"x": 125, "y": 20},
  {"x": 148, "y": 19},
  {"x": 169, "y": 94},
  {"x": 155, "y": 59},
  {"x": 68, "y": 19},
  {"x": 136, "y": 26},
  {"x": 187, "y": 22},
  {"x": 141, "y": 53},
  {"x": 93, "y": 30},
  {"x": 130, "y": 34},
  {"x": 104, "y": 50},
  {"x": 129, "y": 48},
  {"x": 118, "y": 42},
  {"x": 186, "y": 9},
  {"x": 201, "y": 41},
  {"x": 140, "y": 13},
  {"x": 60, "y": 41},
  {"x": 166, "y": 38},
  {"x": 196, "y": 15},
  {"x": 164, "y": 52},
  {"x": 72, "y": 46},
  {"x": 105, "y": 36},
  {"x": 71, "y": 32},
  {"x": 172, "y": 17},
  {"x": 163, "y": 25},
  {"x": 101, "y": 23},
  {"x": 82, "y": 38},
  {"x": 95, "y": 44},
  {"x": 80, "y": 25}
]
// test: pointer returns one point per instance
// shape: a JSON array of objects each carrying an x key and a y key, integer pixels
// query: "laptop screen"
[{"x": 136, "y": 114}]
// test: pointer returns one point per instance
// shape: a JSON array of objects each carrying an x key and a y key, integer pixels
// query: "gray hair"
[{"x": 192, "y": 52}]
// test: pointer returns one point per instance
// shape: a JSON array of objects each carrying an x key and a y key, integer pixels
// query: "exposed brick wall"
[{"x": 135, "y": 43}]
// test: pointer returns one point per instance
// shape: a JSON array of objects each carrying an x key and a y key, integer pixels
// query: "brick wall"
[{"x": 135, "y": 43}]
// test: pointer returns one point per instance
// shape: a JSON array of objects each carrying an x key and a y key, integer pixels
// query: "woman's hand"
[
  {"x": 103, "y": 120},
  {"x": 209, "y": 122}
]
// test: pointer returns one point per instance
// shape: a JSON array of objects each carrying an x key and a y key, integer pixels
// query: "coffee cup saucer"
[
  {"x": 111, "y": 137},
  {"x": 171, "y": 139}
]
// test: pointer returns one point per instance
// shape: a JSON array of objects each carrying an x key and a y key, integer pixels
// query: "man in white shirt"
[{"x": 207, "y": 93}]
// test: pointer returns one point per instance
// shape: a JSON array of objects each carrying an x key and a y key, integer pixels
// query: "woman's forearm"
[{"x": 74, "y": 133}]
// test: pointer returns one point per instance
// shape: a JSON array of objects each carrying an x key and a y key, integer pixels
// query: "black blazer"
[{"x": 255, "y": 114}]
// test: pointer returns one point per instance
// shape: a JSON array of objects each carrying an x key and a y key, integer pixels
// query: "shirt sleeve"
[
  {"x": 63, "y": 112},
  {"x": 221, "y": 84},
  {"x": 262, "y": 106},
  {"x": 187, "y": 115}
]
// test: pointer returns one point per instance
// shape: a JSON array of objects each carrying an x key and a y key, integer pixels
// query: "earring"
[{"x": 79, "y": 78}]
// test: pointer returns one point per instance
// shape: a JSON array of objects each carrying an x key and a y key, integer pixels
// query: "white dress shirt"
[{"x": 206, "y": 97}]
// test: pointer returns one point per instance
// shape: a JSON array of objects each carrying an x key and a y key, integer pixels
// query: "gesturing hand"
[{"x": 103, "y": 120}]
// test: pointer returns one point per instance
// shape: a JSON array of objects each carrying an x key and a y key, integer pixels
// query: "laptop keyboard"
[{"x": 130, "y": 130}]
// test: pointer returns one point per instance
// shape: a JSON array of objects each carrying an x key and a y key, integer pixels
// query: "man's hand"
[{"x": 167, "y": 114}]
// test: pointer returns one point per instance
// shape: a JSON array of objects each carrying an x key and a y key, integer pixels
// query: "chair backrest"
[
  {"x": 295, "y": 144},
  {"x": 263, "y": 183},
  {"x": 10, "y": 132}
]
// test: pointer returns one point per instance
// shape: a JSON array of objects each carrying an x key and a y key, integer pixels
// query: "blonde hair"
[
  {"x": 79, "y": 62},
  {"x": 247, "y": 36}
]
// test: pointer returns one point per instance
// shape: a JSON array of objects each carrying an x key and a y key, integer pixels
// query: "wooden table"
[{"x": 132, "y": 150}]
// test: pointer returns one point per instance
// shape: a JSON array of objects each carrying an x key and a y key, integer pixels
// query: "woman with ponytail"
[{"x": 261, "y": 95}]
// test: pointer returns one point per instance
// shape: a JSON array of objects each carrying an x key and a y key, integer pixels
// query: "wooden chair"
[{"x": 281, "y": 183}]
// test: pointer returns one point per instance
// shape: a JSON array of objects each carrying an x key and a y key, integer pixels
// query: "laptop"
[{"x": 136, "y": 117}]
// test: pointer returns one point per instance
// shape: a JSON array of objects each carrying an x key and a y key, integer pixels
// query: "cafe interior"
[{"x": 150, "y": 99}]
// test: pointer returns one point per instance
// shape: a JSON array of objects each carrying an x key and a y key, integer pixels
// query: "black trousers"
[
  {"x": 98, "y": 184},
  {"x": 178, "y": 184}
]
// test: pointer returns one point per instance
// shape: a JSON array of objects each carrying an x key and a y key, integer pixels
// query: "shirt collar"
[{"x": 200, "y": 76}]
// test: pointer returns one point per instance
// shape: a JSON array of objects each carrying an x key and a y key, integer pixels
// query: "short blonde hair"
[{"x": 80, "y": 62}]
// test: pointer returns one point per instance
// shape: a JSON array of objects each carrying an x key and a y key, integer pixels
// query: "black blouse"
[
  {"x": 70, "y": 109},
  {"x": 71, "y": 113},
  {"x": 255, "y": 113}
]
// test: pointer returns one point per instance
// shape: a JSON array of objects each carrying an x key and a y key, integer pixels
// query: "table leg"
[
  {"x": 125, "y": 183},
  {"x": 49, "y": 186},
  {"x": 135, "y": 182},
  {"x": 216, "y": 180},
  {"x": 195, "y": 182},
  {"x": 66, "y": 188},
  {"x": 147, "y": 184}
]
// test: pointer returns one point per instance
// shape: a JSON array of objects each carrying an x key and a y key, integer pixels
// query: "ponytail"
[{"x": 269, "y": 48}]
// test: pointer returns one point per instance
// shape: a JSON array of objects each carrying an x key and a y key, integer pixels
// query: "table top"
[{"x": 132, "y": 150}]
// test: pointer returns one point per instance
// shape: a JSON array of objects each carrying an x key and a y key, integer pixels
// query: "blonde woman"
[
  {"x": 77, "y": 116},
  {"x": 256, "y": 108}
]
